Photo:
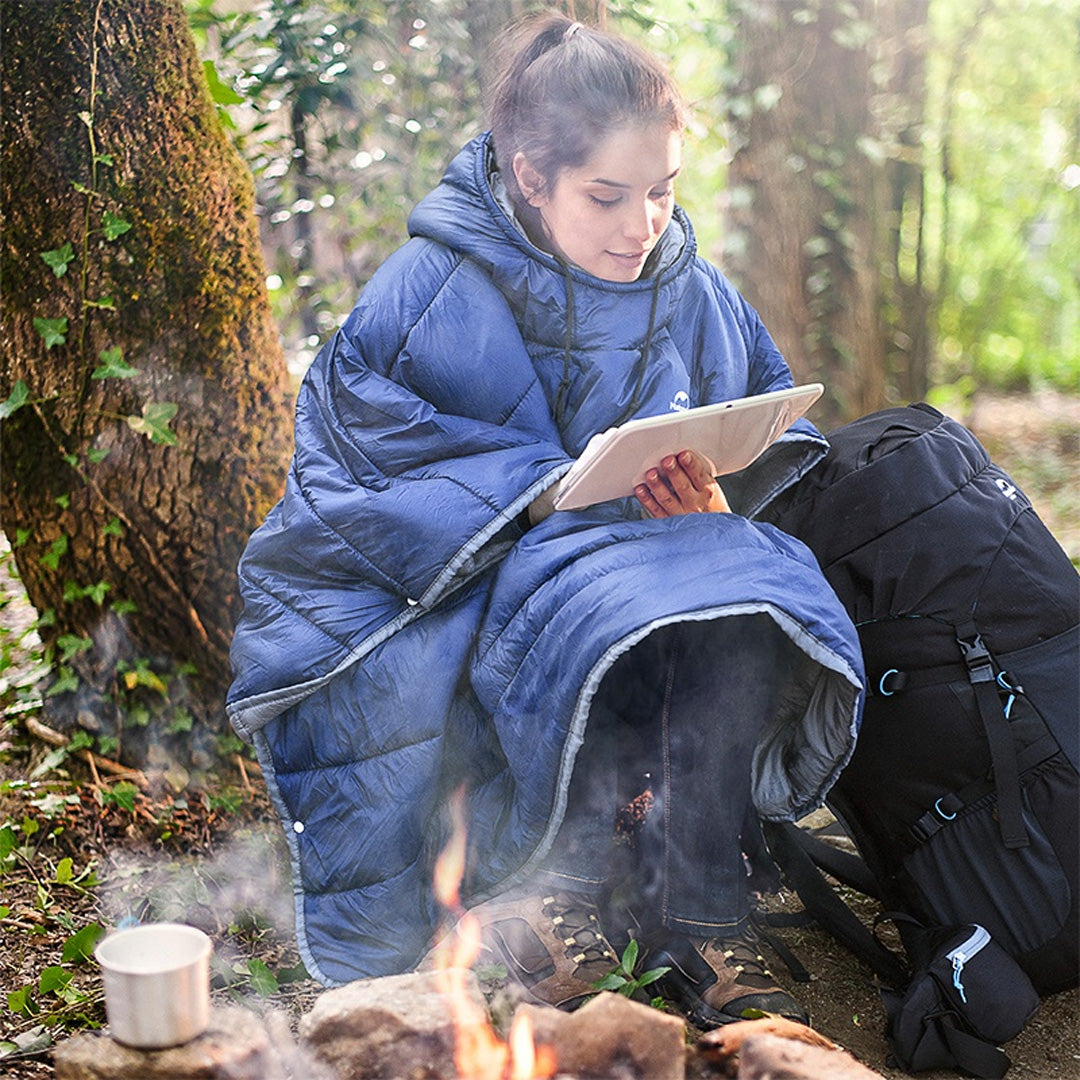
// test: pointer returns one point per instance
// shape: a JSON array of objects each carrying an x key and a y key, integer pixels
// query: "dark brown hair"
[{"x": 565, "y": 88}]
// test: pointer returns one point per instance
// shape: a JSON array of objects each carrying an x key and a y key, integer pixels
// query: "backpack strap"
[
  {"x": 974, "y": 1055},
  {"x": 999, "y": 735},
  {"x": 787, "y": 844}
]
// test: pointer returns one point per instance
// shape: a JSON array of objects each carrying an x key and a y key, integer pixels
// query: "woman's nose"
[{"x": 641, "y": 223}]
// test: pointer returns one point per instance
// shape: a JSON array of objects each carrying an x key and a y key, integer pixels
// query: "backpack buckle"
[{"x": 976, "y": 657}]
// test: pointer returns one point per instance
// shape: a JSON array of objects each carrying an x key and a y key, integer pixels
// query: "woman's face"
[{"x": 607, "y": 215}]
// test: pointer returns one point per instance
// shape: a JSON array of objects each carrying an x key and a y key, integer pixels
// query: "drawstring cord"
[
  {"x": 564, "y": 384},
  {"x": 643, "y": 361}
]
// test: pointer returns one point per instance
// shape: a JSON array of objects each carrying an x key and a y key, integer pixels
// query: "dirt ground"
[{"x": 217, "y": 862}]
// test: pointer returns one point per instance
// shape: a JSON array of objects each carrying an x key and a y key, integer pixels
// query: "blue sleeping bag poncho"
[{"x": 403, "y": 633}]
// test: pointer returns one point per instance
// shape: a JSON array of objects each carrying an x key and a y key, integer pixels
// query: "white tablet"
[{"x": 731, "y": 434}]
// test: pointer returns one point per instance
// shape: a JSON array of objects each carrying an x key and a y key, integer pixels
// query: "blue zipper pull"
[
  {"x": 963, "y": 952},
  {"x": 958, "y": 961}
]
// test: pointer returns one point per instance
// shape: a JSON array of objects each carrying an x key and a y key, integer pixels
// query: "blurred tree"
[
  {"x": 804, "y": 190},
  {"x": 134, "y": 293},
  {"x": 351, "y": 111}
]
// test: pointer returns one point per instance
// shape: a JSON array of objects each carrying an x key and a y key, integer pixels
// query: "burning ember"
[{"x": 480, "y": 1054}]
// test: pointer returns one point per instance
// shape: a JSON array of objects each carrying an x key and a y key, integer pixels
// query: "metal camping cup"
[{"x": 157, "y": 984}]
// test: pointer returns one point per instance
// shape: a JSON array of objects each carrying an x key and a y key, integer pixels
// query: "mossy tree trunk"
[
  {"x": 804, "y": 193},
  {"x": 110, "y": 143}
]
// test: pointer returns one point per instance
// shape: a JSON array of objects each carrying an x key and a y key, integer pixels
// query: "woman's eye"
[
  {"x": 660, "y": 196},
  {"x": 603, "y": 202}
]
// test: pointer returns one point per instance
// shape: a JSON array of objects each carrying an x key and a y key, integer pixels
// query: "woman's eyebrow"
[{"x": 617, "y": 184}]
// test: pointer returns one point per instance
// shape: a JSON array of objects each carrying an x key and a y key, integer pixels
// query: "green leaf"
[
  {"x": 8, "y": 842},
  {"x": 66, "y": 682},
  {"x": 53, "y": 979},
  {"x": 97, "y": 592},
  {"x": 104, "y": 159},
  {"x": 220, "y": 92},
  {"x": 106, "y": 303},
  {"x": 80, "y": 946},
  {"x": 629, "y": 956},
  {"x": 611, "y": 981},
  {"x": 113, "y": 366},
  {"x": 154, "y": 422},
  {"x": 59, "y": 258},
  {"x": 263, "y": 981},
  {"x": 20, "y": 394},
  {"x": 652, "y": 975},
  {"x": 52, "y": 331},
  {"x": 71, "y": 645},
  {"x": 113, "y": 225},
  {"x": 57, "y": 550},
  {"x": 86, "y": 118},
  {"x": 18, "y": 1001},
  {"x": 64, "y": 872},
  {"x": 112, "y": 528},
  {"x": 123, "y": 795},
  {"x": 63, "y": 501},
  {"x": 97, "y": 455}
]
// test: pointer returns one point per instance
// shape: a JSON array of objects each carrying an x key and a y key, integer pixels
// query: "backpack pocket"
[{"x": 1023, "y": 896}]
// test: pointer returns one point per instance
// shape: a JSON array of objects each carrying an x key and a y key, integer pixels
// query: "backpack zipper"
[{"x": 963, "y": 952}]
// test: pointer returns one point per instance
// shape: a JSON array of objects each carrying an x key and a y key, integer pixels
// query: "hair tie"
[{"x": 572, "y": 29}]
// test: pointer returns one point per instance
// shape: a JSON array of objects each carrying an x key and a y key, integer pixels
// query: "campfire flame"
[{"x": 479, "y": 1052}]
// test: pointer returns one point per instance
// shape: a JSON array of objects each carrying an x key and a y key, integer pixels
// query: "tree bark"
[
  {"x": 802, "y": 216},
  {"x": 158, "y": 528}
]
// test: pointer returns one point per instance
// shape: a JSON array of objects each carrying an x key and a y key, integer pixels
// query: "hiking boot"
[
  {"x": 552, "y": 945},
  {"x": 715, "y": 980}
]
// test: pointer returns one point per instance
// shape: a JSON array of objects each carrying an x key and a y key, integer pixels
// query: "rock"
[
  {"x": 398, "y": 1028},
  {"x": 770, "y": 1057},
  {"x": 612, "y": 1037},
  {"x": 236, "y": 1046}
]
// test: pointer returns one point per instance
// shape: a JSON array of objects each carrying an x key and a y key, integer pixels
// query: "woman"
[{"x": 417, "y": 618}]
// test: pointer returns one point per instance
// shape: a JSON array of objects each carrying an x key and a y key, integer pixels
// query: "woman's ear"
[{"x": 530, "y": 183}]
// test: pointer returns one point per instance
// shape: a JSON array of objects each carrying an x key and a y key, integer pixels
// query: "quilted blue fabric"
[{"x": 403, "y": 634}]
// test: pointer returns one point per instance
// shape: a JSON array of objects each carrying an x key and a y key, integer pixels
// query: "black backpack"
[{"x": 962, "y": 794}]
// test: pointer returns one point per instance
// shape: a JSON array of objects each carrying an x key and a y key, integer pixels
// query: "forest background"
[{"x": 195, "y": 193}]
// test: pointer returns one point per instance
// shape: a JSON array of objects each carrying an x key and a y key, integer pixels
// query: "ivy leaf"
[
  {"x": 113, "y": 226},
  {"x": 53, "y": 979},
  {"x": 67, "y": 682},
  {"x": 19, "y": 396},
  {"x": 52, "y": 331},
  {"x": 103, "y": 159},
  {"x": 57, "y": 549},
  {"x": 154, "y": 422},
  {"x": 97, "y": 455},
  {"x": 59, "y": 258},
  {"x": 113, "y": 366},
  {"x": 64, "y": 872},
  {"x": 106, "y": 303},
  {"x": 80, "y": 946},
  {"x": 113, "y": 528},
  {"x": 263, "y": 981}
]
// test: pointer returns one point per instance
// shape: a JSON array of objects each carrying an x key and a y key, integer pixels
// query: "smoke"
[{"x": 239, "y": 895}]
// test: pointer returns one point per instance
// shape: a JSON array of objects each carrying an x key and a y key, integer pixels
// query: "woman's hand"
[{"x": 682, "y": 483}]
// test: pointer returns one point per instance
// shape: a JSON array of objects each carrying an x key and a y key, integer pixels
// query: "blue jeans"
[{"x": 679, "y": 714}]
